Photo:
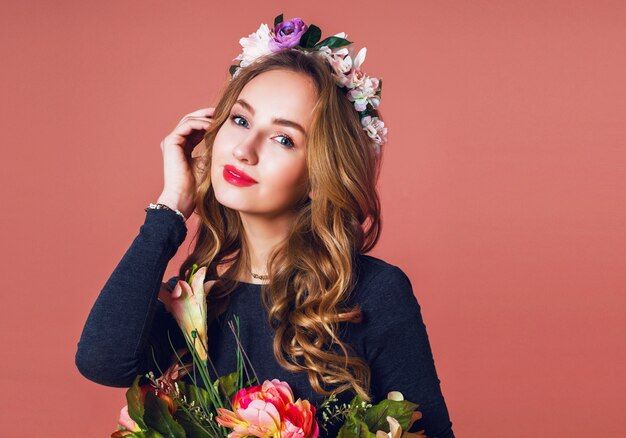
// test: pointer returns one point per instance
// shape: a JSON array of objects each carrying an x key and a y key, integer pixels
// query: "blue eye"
[
  {"x": 288, "y": 145},
  {"x": 236, "y": 117}
]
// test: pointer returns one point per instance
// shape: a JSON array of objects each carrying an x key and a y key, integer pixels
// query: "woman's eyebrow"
[{"x": 276, "y": 120}]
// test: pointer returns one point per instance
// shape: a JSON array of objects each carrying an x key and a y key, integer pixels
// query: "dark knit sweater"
[{"x": 127, "y": 320}]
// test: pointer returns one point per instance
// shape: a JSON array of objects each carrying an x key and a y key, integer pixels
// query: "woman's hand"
[{"x": 181, "y": 171}]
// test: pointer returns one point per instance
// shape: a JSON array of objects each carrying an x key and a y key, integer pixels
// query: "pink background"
[{"x": 503, "y": 189}]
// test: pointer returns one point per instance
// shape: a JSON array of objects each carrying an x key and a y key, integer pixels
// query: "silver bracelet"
[{"x": 159, "y": 206}]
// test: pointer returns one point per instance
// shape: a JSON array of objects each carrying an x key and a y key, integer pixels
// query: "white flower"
[
  {"x": 254, "y": 45},
  {"x": 354, "y": 73},
  {"x": 336, "y": 59},
  {"x": 360, "y": 58},
  {"x": 187, "y": 304},
  {"x": 395, "y": 395},
  {"x": 365, "y": 93},
  {"x": 376, "y": 130},
  {"x": 346, "y": 72}
]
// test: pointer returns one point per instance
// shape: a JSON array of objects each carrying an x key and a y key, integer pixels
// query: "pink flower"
[
  {"x": 268, "y": 410},
  {"x": 166, "y": 381},
  {"x": 365, "y": 93},
  {"x": 376, "y": 130},
  {"x": 339, "y": 61},
  {"x": 299, "y": 421},
  {"x": 126, "y": 421}
]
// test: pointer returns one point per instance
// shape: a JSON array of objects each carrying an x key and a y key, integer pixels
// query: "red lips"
[{"x": 237, "y": 176}]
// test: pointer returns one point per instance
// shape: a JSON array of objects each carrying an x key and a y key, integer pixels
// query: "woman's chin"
[
  {"x": 237, "y": 201},
  {"x": 233, "y": 204}
]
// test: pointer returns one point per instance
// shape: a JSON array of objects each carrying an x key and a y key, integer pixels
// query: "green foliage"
[
  {"x": 191, "y": 426},
  {"x": 401, "y": 410},
  {"x": 310, "y": 37},
  {"x": 333, "y": 42},
  {"x": 364, "y": 420},
  {"x": 354, "y": 427},
  {"x": 196, "y": 407},
  {"x": 135, "y": 404},
  {"x": 194, "y": 394},
  {"x": 227, "y": 385},
  {"x": 158, "y": 417}
]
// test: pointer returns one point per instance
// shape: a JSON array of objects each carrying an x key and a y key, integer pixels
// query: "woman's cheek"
[{"x": 286, "y": 173}]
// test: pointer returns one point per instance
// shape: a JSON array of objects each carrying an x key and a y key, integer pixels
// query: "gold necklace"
[{"x": 259, "y": 276}]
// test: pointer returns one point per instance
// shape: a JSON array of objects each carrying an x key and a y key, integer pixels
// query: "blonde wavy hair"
[{"x": 313, "y": 273}]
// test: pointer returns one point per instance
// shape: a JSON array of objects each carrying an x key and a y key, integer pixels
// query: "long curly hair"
[{"x": 313, "y": 273}]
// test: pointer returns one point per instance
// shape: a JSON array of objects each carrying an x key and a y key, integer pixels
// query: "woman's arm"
[
  {"x": 127, "y": 318},
  {"x": 399, "y": 352}
]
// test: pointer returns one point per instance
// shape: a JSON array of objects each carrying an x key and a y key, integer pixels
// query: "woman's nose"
[{"x": 247, "y": 148}]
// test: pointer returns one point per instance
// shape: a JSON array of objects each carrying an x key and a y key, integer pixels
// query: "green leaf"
[
  {"x": 195, "y": 394},
  {"x": 153, "y": 434},
  {"x": 201, "y": 398},
  {"x": 333, "y": 42},
  {"x": 354, "y": 428},
  {"x": 228, "y": 384},
  {"x": 278, "y": 19},
  {"x": 158, "y": 417},
  {"x": 191, "y": 426},
  {"x": 310, "y": 37},
  {"x": 401, "y": 410},
  {"x": 135, "y": 404},
  {"x": 356, "y": 406}
]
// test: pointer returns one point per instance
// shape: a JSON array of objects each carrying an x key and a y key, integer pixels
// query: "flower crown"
[{"x": 361, "y": 89}]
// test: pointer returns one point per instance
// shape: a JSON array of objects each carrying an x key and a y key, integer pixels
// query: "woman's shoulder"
[
  {"x": 381, "y": 285},
  {"x": 371, "y": 269}
]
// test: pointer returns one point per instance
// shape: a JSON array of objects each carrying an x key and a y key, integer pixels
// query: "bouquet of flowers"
[{"x": 231, "y": 408}]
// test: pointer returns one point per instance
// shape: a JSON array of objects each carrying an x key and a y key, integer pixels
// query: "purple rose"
[{"x": 287, "y": 34}]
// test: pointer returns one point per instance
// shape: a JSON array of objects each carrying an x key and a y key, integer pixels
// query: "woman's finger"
[
  {"x": 202, "y": 112},
  {"x": 192, "y": 124},
  {"x": 206, "y": 120}
]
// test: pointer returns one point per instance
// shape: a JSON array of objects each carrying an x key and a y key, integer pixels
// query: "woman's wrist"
[
  {"x": 175, "y": 203},
  {"x": 164, "y": 206}
]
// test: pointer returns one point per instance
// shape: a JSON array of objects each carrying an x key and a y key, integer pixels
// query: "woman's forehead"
[{"x": 280, "y": 96}]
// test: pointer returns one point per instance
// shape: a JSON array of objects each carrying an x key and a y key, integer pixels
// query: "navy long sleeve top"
[{"x": 127, "y": 328}]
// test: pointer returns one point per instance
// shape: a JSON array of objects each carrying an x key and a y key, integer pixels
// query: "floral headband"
[{"x": 359, "y": 88}]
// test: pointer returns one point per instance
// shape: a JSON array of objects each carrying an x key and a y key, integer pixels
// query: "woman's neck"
[{"x": 262, "y": 236}]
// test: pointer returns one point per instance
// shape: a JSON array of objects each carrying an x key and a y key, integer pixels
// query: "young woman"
[{"x": 285, "y": 194}]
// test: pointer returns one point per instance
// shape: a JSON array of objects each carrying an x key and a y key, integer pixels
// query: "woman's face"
[{"x": 264, "y": 137}]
